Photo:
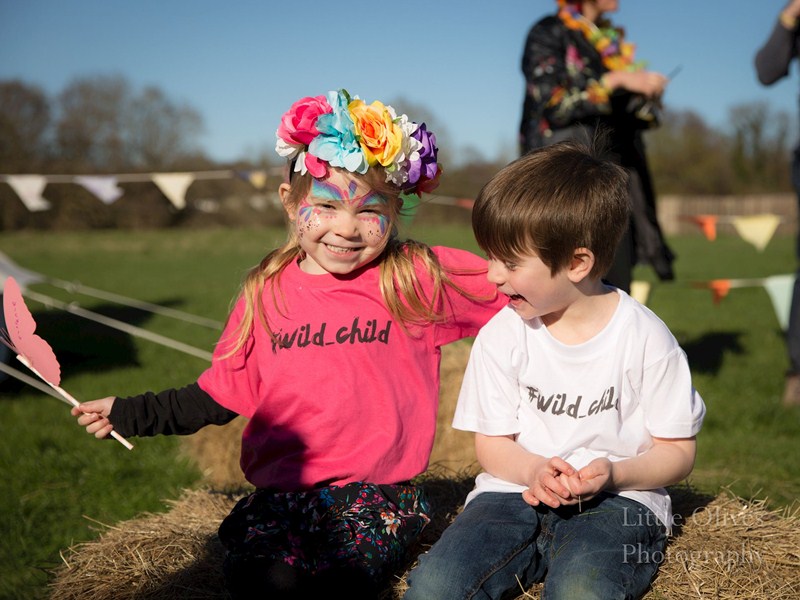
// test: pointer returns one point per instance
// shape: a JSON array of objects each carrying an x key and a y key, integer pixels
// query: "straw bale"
[
  {"x": 724, "y": 548},
  {"x": 175, "y": 554}
]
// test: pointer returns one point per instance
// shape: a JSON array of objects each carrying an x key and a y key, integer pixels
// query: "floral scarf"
[{"x": 616, "y": 53}]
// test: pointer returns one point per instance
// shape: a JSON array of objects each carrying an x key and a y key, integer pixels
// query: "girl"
[{"x": 332, "y": 353}]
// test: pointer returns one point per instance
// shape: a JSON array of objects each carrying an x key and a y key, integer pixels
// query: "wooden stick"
[{"x": 71, "y": 400}]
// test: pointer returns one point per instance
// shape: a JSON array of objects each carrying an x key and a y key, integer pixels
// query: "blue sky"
[{"x": 242, "y": 63}]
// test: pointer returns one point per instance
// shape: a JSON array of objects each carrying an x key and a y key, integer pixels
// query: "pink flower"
[{"x": 299, "y": 124}]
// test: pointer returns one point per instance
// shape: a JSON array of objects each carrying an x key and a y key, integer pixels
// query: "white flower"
[
  {"x": 300, "y": 164},
  {"x": 397, "y": 172},
  {"x": 285, "y": 149}
]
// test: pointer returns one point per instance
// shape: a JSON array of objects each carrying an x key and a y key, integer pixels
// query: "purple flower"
[{"x": 422, "y": 164}]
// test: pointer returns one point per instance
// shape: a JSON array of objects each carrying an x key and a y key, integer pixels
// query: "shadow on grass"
[
  {"x": 705, "y": 353},
  {"x": 82, "y": 345}
]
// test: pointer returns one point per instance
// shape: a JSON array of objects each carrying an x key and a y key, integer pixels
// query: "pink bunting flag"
[{"x": 32, "y": 350}]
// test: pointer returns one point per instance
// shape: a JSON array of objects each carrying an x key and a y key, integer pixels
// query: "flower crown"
[{"x": 339, "y": 131}]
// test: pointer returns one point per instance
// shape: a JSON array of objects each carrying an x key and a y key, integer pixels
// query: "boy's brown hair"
[{"x": 552, "y": 201}]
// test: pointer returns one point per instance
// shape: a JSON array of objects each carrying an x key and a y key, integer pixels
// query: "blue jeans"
[{"x": 610, "y": 549}]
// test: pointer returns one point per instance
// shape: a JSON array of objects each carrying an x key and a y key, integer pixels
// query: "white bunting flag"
[
  {"x": 29, "y": 189},
  {"x": 780, "y": 288},
  {"x": 104, "y": 187},
  {"x": 174, "y": 186}
]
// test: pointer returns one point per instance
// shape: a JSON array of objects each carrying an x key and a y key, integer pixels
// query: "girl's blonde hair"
[{"x": 405, "y": 299}]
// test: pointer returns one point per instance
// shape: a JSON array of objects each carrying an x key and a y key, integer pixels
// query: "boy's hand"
[
  {"x": 552, "y": 480},
  {"x": 594, "y": 478},
  {"x": 94, "y": 416}
]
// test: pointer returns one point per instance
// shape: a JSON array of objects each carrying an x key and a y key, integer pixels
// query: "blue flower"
[{"x": 336, "y": 143}]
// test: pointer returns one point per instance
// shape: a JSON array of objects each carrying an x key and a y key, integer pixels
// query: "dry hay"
[
  {"x": 175, "y": 554},
  {"x": 725, "y": 548}
]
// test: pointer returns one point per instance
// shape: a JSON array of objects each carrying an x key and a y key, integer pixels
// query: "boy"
[{"x": 580, "y": 399}]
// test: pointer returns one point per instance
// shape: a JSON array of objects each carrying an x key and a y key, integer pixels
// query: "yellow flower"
[{"x": 380, "y": 138}]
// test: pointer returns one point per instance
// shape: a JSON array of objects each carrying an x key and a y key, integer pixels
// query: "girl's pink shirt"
[{"x": 347, "y": 395}]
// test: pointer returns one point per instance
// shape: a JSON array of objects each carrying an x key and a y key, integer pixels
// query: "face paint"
[
  {"x": 327, "y": 191},
  {"x": 340, "y": 229}
]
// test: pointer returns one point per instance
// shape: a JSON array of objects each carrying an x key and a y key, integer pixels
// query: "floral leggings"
[{"x": 361, "y": 529}]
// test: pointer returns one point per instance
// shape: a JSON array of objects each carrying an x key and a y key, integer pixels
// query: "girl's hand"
[
  {"x": 550, "y": 483},
  {"x": 94, "y": 416}
]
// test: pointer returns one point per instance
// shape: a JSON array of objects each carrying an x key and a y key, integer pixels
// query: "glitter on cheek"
[
  {"x": 377, "y": 227},
  {"x": 308, "y": 218}
]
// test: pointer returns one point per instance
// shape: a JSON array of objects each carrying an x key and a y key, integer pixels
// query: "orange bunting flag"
[
  {"x": 719, "y": 288},
  {"x": 707, "y": 223}
]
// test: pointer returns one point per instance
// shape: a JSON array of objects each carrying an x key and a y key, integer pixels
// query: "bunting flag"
[
  {"x": 757, "y": 229},
  {"x": 779, "y": 288},
  {"x": 754, "y": 229},
  {"x": 640, "y": 291},
  {"x": 29, "y": 188},
  {"x": 105, "y": 187},
  {"x": 174, "y": 186},
  {"x": 257, "y": 178},
  {"x": 707, "y": 224}
]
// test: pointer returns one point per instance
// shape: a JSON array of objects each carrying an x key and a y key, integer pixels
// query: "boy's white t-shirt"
[{"x": 607, "y": 397}]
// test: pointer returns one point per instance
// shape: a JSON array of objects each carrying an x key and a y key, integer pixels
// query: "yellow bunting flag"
[
  {"x": 640, "y": 290},
  {"x": 174, "y": 186},
  {"x": 258, "y": 179},
  {"x": 757, "y": 229}
]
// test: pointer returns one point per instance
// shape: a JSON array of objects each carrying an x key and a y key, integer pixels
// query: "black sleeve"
[
  {"x": 171, "y": 412},
  {"x": 773, "y": 58}
]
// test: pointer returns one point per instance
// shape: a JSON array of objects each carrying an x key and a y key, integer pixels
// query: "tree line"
[{"x": 103, "y": 125}]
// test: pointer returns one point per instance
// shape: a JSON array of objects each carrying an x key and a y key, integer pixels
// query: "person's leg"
[
  {"x": 620, "y": 274},
  {"x": 248, "y": 577},
  {"x": 609, "y": 550},
  {"x": 368, "y": 530},
  {"x": 482, "y": 554},
  {"x": 791, "y": 393}
]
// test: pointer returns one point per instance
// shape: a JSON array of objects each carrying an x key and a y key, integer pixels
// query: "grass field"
[{"x": 61, "y": 482}]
